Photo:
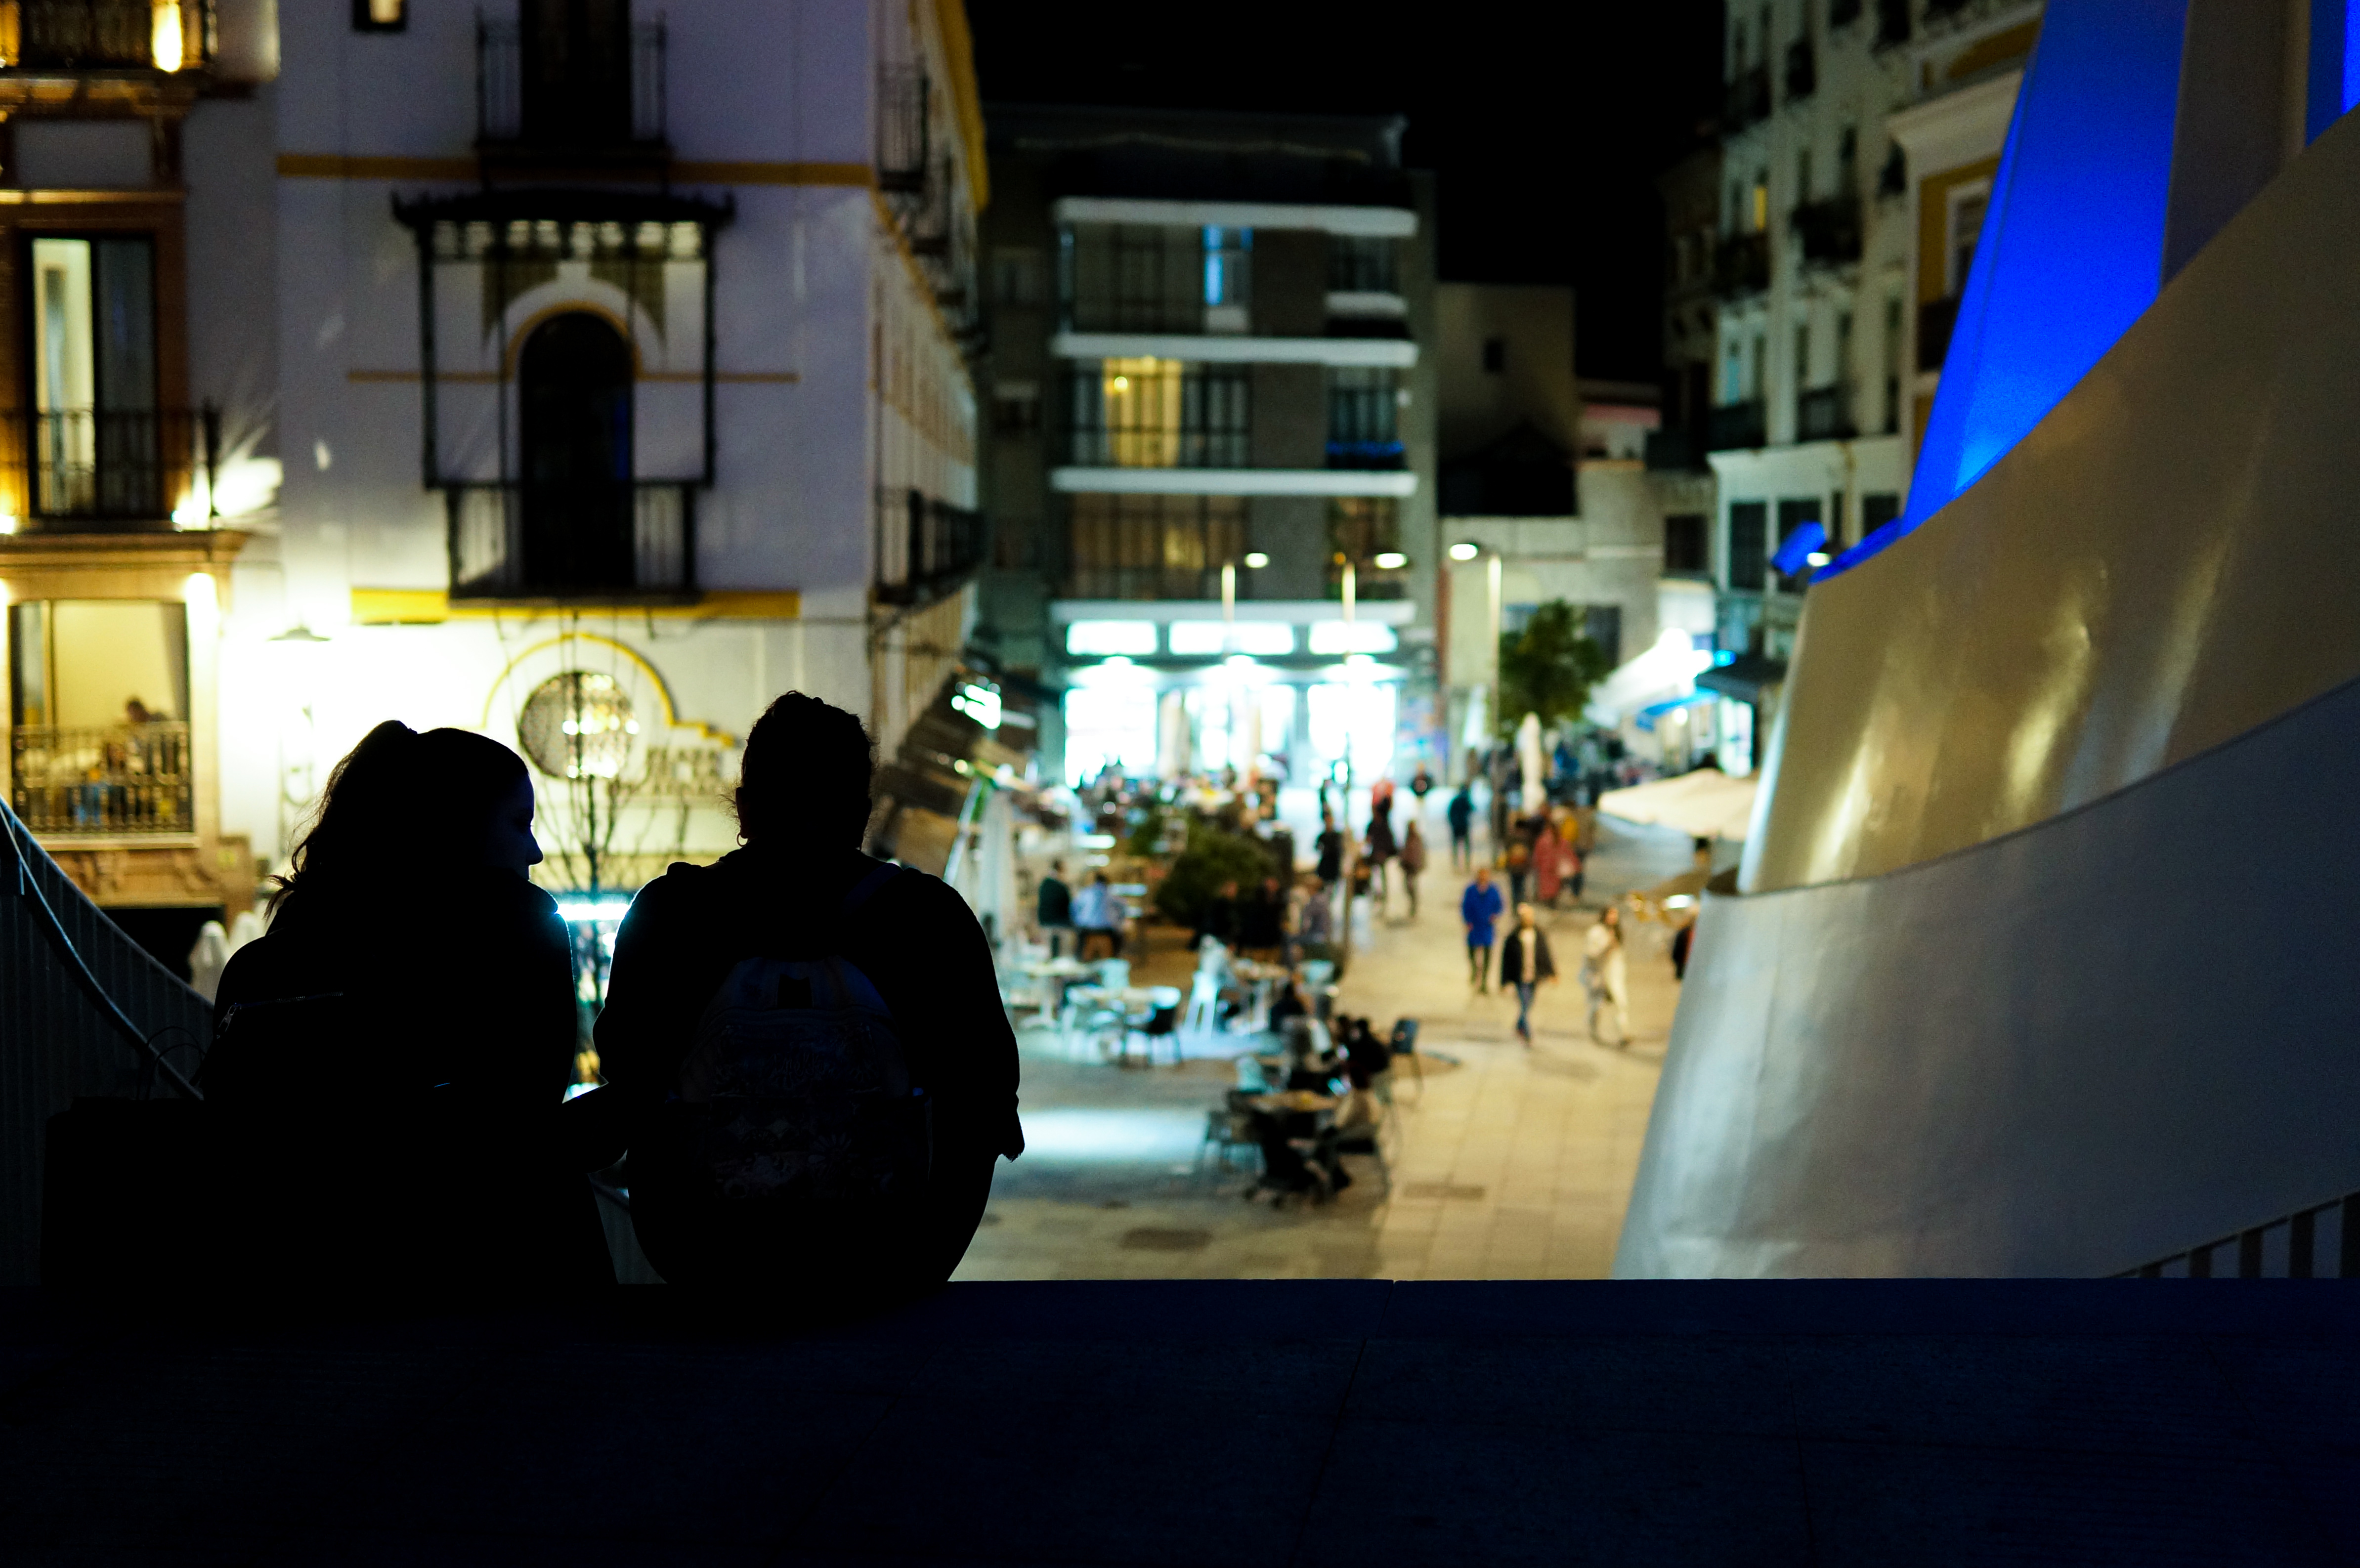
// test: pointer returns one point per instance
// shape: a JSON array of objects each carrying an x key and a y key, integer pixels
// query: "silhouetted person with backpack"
[
  {"x": 391, "y": 1114},
  {"x": 821, "y": 1067}
]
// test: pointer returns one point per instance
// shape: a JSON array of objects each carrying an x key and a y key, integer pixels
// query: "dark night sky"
[{"x": 1545, "y": 124}]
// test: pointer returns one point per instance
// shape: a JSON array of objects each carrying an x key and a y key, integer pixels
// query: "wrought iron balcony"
[
  {"x": 103, "y": 781},
  {"x": 1747, "y": 99},
  {"x": 904, "y": 141},
  {"x": 1824, "y": 413},
  {"x": 1829, "y": 230},
  {"x": 1802, "y": 71},
  {"x": 1741, "y": 265},
  {"x": 1734, "y": 426},
  {"x": 1674, "y": 450},
  {"x": 107, "y": 35},
  {"x": 925, "y": 549},
  {"x": 1892, "y": 23},
  {"x": 1936, "y": 319},
  {"x": 593, "y": 540},
  {"x": 111, "y": 467},
  {"x": 576, "y": 90}
]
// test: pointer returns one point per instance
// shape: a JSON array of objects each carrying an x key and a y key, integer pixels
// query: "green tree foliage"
[
  {"x": 1548, "y": 667},
  {"x": 1212, "y": 858}
]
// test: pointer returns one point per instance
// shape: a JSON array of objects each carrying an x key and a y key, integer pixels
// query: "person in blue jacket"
[{"x": 1479, "y": 909}]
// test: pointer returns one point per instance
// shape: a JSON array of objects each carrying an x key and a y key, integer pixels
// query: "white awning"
[{"x": 1706, "y": 803}]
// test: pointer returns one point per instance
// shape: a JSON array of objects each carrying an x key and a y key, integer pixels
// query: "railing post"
[
  {"x": 2347, "y": 1262},
  {"x": 2249, "y": 1253},
  {"x": 2302, "y": 1236},
  {"x": 2200, "y": 1262}
]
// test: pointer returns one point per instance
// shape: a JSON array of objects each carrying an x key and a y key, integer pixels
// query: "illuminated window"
[
  {"x": 1159, "y": 413},
  {"x": 1110, "y": 637},
  {"x": 1204, "y": 638},
  {"x": 1153, "y": 547},
  {"x": 1336, "y": 638},
  {"x": 1966, "y": 227},
  {"x": 380, "y": 15}
]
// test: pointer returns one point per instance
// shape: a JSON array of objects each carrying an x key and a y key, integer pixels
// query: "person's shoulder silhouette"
[{"x": 774, "y": 967}]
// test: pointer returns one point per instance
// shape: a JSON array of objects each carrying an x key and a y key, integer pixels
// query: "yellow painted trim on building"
[
  {"x": 487, "y": 377},
  {"x": 341, "y": 166},
  {"x": 76, "y": 198},
  {"x": 655, "y": 678},
  {"x": 857, "y": 175},
  {"x": 966, "y": 99},
  {"x": 433, "y": 607},
  {"x": 1934, "y": 225}
]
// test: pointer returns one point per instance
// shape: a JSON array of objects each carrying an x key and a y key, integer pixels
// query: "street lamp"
[
  {"x": 1256, "y": 559},
  {"x": 1465, "y": 549}
]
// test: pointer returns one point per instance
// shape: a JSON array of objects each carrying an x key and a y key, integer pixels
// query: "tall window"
[
  {"x": 1749, "y": 522},
  {"x": 1362, "y": 263},
  {"x": 1966, "y": 228},
  {"x": 1363, "y": 406},
  {"x": 1159, "y": 413},
  {"x": 1153, "y": 547},
  {"x": 1360, "y": 528},
  {"x": 99, "y": 695},
  {"x": 1134, "y": 278},
  {"x": 97, "y": 450},
  {"x": 575, "y": 400},
  {"x": 1228, "y": 278}
]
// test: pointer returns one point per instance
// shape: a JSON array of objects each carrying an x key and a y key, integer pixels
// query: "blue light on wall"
[
  {"x": 2071, "y": 247},
  {"x": 2334, "y": 85}
]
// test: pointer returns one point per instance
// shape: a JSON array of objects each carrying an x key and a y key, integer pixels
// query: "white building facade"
[{"x": 621, "y": 389}]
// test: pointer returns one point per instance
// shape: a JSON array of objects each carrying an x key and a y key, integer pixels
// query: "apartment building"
[
  {"x": 133, "y": 456},
  {"x": 1825, "y": 316},
  {"x": 1211, "y": 468},
  {"x": 621, "y": 386}
]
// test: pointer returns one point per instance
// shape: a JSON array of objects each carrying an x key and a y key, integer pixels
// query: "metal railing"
[
  {"x": 2292, "y": 1247},
  {"x": 903, "y": 140},
  {"x": 1824, "y": 413},
  {"x": 1802, "y": 71},
  {"x": 1936, "y": 317},
  {"x": 1829, "y": 230},
  {"x": 1733, "y": 425},
  {"x": 1741, "y": 264},
  {"x": 571, "y": 103},
  {"x": 925, "y": 548},
  {"x": 1674, "y": 450},
  {"x": 1171, "y": 417},
  {"x": 104, "y": 780},
  {"x": 626, "y": 536},
  {"x": 105, "y": 35},
  {"x": 112, "y": 464},
  {"x": 1892, "y": 23},
  {"x": 1747, "y": 98}
]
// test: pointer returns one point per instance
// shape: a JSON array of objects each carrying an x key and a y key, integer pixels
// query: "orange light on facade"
[{"x": 165, "y": 39}]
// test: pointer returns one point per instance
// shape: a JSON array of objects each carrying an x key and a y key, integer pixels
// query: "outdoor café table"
[
  {"x": 1056, "y": 975},
  {"x": 1302, "y": 1112}
]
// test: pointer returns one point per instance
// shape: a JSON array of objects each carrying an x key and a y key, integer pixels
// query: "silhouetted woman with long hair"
[{"x": 392, "y": 1055}]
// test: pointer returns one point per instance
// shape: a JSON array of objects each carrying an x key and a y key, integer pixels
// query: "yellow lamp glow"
[{"x": 166, "y": 37}]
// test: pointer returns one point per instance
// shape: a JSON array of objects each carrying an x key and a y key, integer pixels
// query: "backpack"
[{"x": 801, "y": 1092}]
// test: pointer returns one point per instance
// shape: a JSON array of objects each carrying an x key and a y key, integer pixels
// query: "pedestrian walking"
[
  {"x": 1053, "y": 909},
  {"x": 1421, "y": 784},
  {"x": 1603, "y": 974},
  {"x": 1381, "y": 849},
  {"x": 1331, "y": 851},
  {"x": 1460, "y": 813},
  {"x": 1092, "y": 915},
  {"x": 1519, "y": 867},
  {"x": 1524, "y": 962},
  {"x": 1413, "y": 862},
  {"x": 1479, "y": 909}
]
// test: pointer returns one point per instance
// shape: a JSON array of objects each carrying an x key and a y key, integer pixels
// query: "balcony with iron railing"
[
  {"x": 1746, "y": 99},
  {"x": 165, "y": 36},
  {"x": 1802, "y": 71},
  {"x": 545, "y": 94},
  {"x": 598, "y": 539},
  {"x": 1824, "y": 413},
  {"x": 76, "y": 470},
  {"x": 1735, "y": 426},
  {"x": 926, "y": 548},
  {"x": 1829, "y": 230},
  {"x": 1936, "y": 319},
  {"x": 103, "y": 781},
  {"x": 1741, "y": 265}
]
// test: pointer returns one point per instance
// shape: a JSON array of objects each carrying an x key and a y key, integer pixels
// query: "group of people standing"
[{"x": 1094, "y": 913}]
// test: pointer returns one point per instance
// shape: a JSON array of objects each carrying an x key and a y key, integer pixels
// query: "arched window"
[{"x": 575, "y": 397}]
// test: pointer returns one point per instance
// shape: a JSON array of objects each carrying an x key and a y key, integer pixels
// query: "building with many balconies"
[
  {"x": 134, "y": 445},
  {"x": 1824, "y": 320},
  {"x": 1212, "y": 466},
  {"x": 622, "y": 386}
]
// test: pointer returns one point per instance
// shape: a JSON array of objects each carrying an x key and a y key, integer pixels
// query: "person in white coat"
[{"x": 1604, "y": 975}]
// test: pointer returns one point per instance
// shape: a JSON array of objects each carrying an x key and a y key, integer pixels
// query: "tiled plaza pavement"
[{"x": 1505, "y": 1162}]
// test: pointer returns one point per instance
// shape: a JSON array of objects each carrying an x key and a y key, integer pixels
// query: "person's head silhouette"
[
  {"x": 403, "y": 810},
  {"x": 805, "y": 778}
]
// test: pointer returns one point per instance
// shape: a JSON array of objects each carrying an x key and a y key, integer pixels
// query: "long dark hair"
[{"x": 400, "y": 804}]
